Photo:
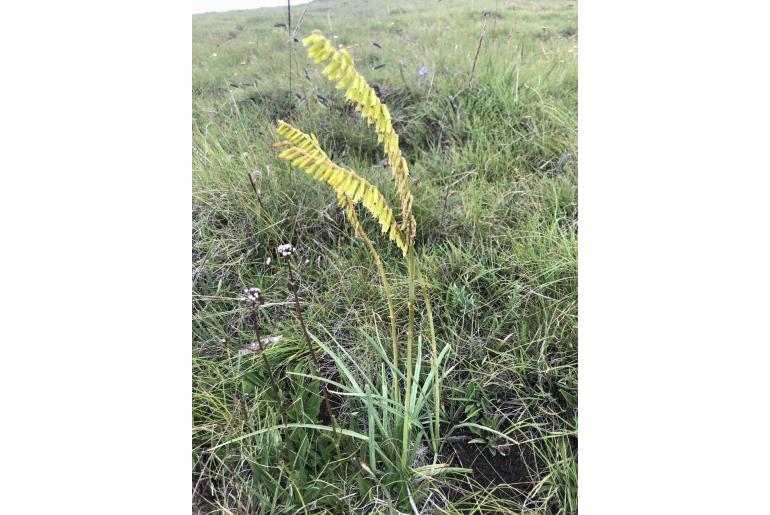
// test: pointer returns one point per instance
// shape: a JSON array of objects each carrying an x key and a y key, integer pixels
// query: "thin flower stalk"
[
  {"x": 434, "y": 356},
  {"x": 351, "y": 214},
  {"x": 255, "y": 299},
  {"x": 409, "y": 371},
  {"x": 286, "y": 250},
  {"x": 271, "y": 376}
]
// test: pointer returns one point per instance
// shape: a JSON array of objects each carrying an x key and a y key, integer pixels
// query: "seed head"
[
  {"x": 286, "y": 249},
  {"x": 253, "y": 296}
]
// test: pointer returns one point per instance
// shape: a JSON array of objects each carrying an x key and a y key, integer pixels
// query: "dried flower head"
[
  {"x": 286, "y": 249},
  {"x": 253, "y": 296}
]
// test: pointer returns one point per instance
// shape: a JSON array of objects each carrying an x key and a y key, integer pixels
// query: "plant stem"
[
  {"x": 291, "y": 43},
  {"x": 391, "y": 311},
  {"x": 299, "y": 23},
  {"x": 311, "y": 348},
  {"x": 478, "y": 48},
  {"x": 256, "y": 192},
  {"x": 388, "y": 295},
  {"x": 518, "y": 69},
  {"x": 271, "y": 377},
  {"x": 434, "y": 353},
  {"x": 409, "y": 340}
]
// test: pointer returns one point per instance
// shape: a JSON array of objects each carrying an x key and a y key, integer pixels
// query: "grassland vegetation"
[{"x": 492, "y": 162}]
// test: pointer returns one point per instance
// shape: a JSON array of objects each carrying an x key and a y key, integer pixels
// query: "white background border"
[{"x": 95, "y": 213}]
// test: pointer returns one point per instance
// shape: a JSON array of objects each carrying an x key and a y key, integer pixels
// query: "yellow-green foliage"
[
  {"x": 304, "y": 152},
  {"x": 357, "y": 91}
]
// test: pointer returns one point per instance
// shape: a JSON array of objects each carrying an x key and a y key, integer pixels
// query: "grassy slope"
[{"x": 497, "y": 237}]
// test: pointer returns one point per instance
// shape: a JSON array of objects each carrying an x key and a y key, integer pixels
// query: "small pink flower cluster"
[
  {"x": 286, "y": 249},
  {"x": 253, "y": 295}
]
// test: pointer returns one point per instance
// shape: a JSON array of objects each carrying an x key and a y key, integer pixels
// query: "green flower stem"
[
  {"x": 434, "y": 353},
  {"x": 409, "y": 372},
  {"x": 388, "y": 293}
]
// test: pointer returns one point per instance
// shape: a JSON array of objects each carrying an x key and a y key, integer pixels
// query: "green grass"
[{"x": 496, "y": 240}]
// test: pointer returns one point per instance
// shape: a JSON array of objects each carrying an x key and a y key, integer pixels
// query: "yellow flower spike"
[
  {"x": 304, "y": 153},
  {"x": 359, "y": 194},
  {"x": 340, "y": 69},
  {"x": 365, "y": 100}
]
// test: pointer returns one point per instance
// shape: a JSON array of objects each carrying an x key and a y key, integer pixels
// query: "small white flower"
[
  {"x": 335, "y": 36},
  {"x": 307, "y": 261},
  {"x": 268, "y": 260},
  {"x": 253, "y": 295},
  {"x": 339, "y": 46},
  {"x": 214, "y": 54},
  {"x": 286, "y": 249}
]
